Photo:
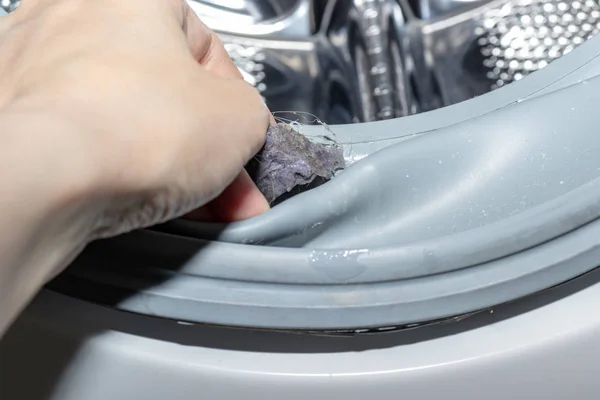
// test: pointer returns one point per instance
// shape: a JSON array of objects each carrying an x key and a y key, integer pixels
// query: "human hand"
[
  {"x": 115, "y": 115},
  {"x": 150, "y": 88}
]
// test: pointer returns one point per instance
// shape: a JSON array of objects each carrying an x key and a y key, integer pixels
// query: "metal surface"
[
  {"x": 357, "y": 61},
  {"x": 430, "y": 9},
  {"x": 259, "y": 18},
  {"x": 524, "y": 36},
  {"x": 9, "y": 5},
  {"x": 368, "y": 60},
  {"x": 404, "y": 57}
]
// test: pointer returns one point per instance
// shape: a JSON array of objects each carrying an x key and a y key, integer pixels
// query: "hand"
[
  {"x": 150, "y": 88},
  {"x": 115, "y": 115}
]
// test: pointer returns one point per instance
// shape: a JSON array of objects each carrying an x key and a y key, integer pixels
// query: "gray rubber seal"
[{"x": 446, "y": 212}]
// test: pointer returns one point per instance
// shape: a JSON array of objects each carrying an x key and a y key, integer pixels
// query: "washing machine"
[{"x": 455, "y": 257}]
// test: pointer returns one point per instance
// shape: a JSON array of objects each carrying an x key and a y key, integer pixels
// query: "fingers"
[
  {"x": 240, "y": 201},
  {"x": 228, "y": 127},
  {"x": 245, "y": 128},
  {"x": 208, "y": 50},
  {"x": 206, "y": 47}
]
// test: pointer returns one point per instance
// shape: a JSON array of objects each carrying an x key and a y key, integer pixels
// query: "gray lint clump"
[{"x": 290, "y": 163}]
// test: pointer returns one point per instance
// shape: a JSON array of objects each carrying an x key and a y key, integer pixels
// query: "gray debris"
[{"x": 290, "y": 162}]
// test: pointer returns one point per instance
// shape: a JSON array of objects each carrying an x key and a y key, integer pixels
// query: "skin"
[{"x": 115, "y": 115}]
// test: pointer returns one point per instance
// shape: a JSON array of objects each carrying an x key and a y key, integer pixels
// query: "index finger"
[{"x": 242, "y": 199}]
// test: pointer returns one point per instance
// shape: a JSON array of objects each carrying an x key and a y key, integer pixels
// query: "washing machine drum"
[{"x": 439, "y": 215}]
